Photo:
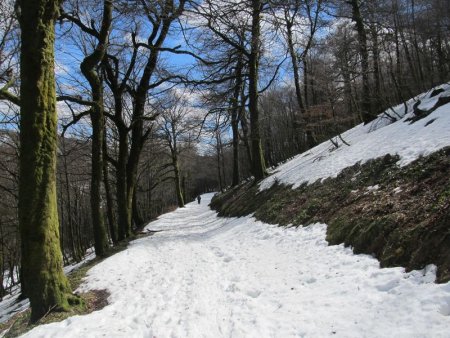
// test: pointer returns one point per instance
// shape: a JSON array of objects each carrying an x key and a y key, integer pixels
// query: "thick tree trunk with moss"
[
  {"x": 43, "y": 279},
  {"x": 258, "y": 164}
]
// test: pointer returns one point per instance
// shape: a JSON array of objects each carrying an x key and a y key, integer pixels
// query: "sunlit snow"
[
  {"x": 376, "y": 139},
  {"x": 204, "y": 276}
]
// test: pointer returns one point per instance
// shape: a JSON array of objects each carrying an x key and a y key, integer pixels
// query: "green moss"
[
  {"x": 339, "y": 229},
  {"x": 43, "y": 280}
]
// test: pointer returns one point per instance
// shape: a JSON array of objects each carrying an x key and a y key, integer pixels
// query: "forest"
[{"x": 114, "y": 112}]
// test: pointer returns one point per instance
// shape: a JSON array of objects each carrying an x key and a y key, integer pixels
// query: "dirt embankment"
[{"x": 399, "y": 215}]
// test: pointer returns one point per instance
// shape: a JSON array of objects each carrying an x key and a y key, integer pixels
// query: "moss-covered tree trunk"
[
  {"x": 258, "y": 164},
  {"x": 43, "y": 279}
]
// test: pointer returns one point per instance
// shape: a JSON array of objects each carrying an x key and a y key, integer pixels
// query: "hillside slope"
[{"x": 384, "y": 188}]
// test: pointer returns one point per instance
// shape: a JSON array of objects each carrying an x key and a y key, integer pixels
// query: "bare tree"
[{"x": 177, "y": 125}]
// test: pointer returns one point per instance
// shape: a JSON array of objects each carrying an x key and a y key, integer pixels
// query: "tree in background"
[
  {"x": 366, "y": 112},
  {"x": 177, "y": 130},
  {"x": 88, "y": 68}
]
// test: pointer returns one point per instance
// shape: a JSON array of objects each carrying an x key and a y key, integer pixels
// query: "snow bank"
[
  {"x": 204, "y": 276},
  {"x": 376, "y": 139}
]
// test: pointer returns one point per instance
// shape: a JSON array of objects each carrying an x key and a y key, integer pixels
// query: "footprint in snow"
[
  {"x": 232, "y": 288},
  {"x": 311, "y": 280},
  {"x": 387, "y": 286},
  {"x": 217, "y": 252},
  {"x": 444, "y": 309},
  {"x": 253, "y": 293}
]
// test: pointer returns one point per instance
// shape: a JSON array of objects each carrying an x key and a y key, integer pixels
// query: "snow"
[
  {"x": 10, "y": 305},
  {"x": 397, "y": 190},
  {"x": 205, "y": 276},
  {"x": 376, "y": 139},
  {"x": 89, "y": 256}
]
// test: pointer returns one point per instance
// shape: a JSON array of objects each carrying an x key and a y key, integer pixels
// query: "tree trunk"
[
  {"x": 137, "y": 219},
  {"x": 184, "y": 188},
  {"x": 43, "y": 279},
  {"x": 376, "y": 67},
  {"x": 219, "y": 170},
  {"x": 109, "y": 200},
  {"x": 235, "y": 121},
  {"x": 305, "y": 81},
  {"x": 366, "y": 114},
  {"x": 441, "y": 58},
  {"x": 88, "y": 68},
  {"x": 294, "y": 61},
  {"x": 244, "y": 124},
  {"x": 421, "y": 83},
  {"x": 258, "y": 165},
  {"x": 98, "y": 224},
  {"x": 178, "y": 189},
  {"x": 124, "y": 213},
  {"x": 76, "y": 252},
  {"x": 137, "y": 130},
  {"x": 137, "y": 140}
]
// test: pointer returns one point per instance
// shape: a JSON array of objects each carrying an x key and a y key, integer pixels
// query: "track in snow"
[{"x": 204, "y": 276}]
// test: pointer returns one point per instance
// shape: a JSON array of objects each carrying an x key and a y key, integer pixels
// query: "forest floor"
[{"x": 202, "y": 275}]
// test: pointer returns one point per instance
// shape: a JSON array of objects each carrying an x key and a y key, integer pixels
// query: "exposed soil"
[
  {"x": 399, "y": 215},
  {"x": 96, "y": 300}
]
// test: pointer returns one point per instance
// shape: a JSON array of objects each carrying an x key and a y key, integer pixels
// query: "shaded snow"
[
  {"x": 204, "y": 276},
  {"x": 10, "y": 305},
  {"x": 370, "y": 141}
]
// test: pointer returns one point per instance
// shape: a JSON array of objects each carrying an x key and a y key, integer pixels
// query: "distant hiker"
[{"x": 199, "y": 199}]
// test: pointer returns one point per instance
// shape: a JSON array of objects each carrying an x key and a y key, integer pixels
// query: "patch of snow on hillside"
[
  {"x": 376, "y": 139},
  {"x": 205, "y": 276},
  {"x": 11, "y": 304}
]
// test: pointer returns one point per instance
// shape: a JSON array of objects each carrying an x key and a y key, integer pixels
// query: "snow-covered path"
[{"x": 204, "y": 276}]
